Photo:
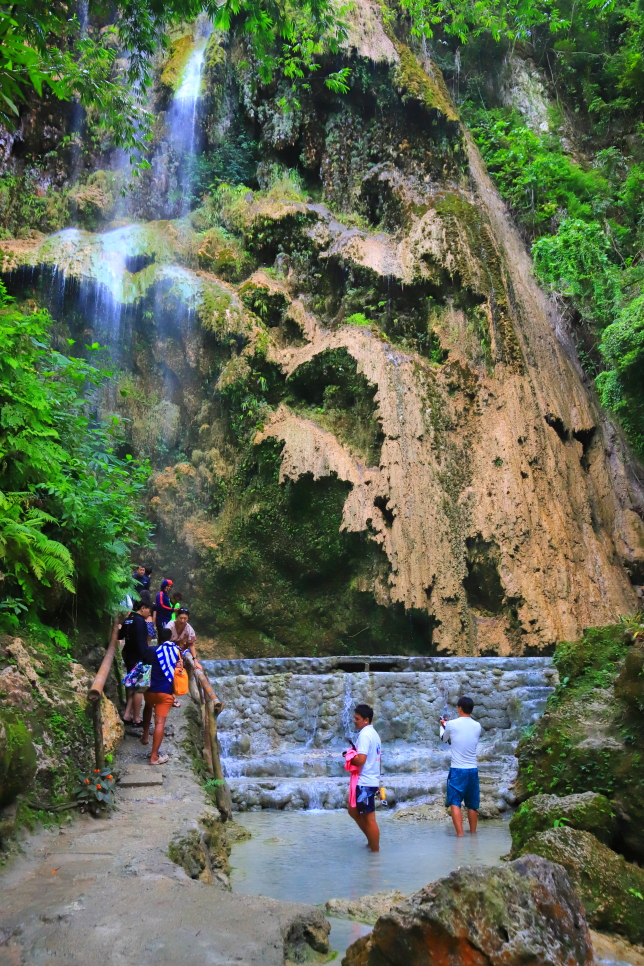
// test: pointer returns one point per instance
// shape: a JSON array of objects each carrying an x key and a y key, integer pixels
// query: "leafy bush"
[
  {"x": 577, "y": 262},
  {"x": 95, "y": 790},
  {"x": 70, "y": 508}
]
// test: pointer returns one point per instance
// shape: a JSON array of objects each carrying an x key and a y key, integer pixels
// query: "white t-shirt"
[
  {"x": 187, "y": 638},
  {"x": 368, "y": 744},
  {"x": 463, "y": 735}
]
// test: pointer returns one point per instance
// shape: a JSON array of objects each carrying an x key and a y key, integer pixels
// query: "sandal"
[
  {"x": 176, "y": 704},
  {"x": 160, "y": 761}
]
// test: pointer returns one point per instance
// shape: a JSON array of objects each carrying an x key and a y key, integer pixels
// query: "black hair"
[
  {"x": 138, "y": 604},
  {"x": 148, "y": 571},
  {"x": 164, "y": 635},
  {"x": 364, "y": 711},
  {"x": 146, "y": 600},
  {"x": 183, "y": 610},
  {"x": 465, "y": 704}
]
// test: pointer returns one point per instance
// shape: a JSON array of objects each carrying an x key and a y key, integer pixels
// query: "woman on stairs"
[{"x": 160, "y": 697}]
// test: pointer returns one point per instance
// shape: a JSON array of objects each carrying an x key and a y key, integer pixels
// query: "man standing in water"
[
  {"x": 463, "y": 734},
  {"x": 368, "y": 760}
]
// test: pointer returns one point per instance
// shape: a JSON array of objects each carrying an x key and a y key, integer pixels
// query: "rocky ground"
[{"x": 105, "y": 890}]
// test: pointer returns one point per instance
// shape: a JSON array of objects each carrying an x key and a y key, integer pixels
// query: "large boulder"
[
  {"x": 523, "y": 912},
  {"x": 17, "y": 757},
  {"x": 588, "y": 811},
  {"x": 611, "y": 889}
]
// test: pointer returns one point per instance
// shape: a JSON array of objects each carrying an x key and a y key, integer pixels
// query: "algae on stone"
[{"x": 588, "y": 812}]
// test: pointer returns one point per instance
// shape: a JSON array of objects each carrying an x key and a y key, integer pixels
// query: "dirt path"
[{"x": 103, "y": 891}]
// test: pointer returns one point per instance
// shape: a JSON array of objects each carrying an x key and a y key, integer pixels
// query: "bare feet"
[{"x": 145, "y": 740}]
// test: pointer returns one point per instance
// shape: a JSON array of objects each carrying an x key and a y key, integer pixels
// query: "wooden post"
[
  {"x": 99, "y": 750},
  {"x": 222, "y": 791}
]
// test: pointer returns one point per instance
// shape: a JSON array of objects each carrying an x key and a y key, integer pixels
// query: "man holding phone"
[
  {"x": 463, "y": 734},
  {"x": 368, "y": 760}
]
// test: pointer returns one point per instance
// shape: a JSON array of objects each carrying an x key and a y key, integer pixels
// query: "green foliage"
[
  {"x": 358, "y": 318},
  {"x": 620, "y": 388},
  {"x": 534, "y": 174},
  {"x": 70, "y": 508},
  {"x": 576, "y": 262}
]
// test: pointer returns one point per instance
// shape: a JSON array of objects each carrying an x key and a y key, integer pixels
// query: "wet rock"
[
  {"x": 524, "y": 912},
  {"x": 611, "y": 889},
  {"x": 588, "y": 811},
  {"x": 306, "y": 935},
  {"x": 365, "y": 909},
  {"x": 613, "y": 950}
]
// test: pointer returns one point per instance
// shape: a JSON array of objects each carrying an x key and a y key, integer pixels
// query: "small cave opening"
[
  {"x": 382, "y": 503},
  {"x": 556, "y": 422},
  {"x": 585, "y": 437},
  {"x": 136, "y": 263},
  {"x": 483, "y": 583},
  {"x": 268, "y": 305}
]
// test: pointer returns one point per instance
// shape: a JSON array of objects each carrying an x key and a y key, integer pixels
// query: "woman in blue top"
[
  {"x": 160, "y": 697},
  {"x": 163, "y": 607}
]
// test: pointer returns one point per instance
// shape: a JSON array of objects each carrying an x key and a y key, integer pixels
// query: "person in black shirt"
[
  {"x": 141, "y": 577},
  {"x": 134, "y": 632}
]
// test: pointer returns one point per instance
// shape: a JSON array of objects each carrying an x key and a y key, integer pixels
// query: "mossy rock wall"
[
  {"x": 589, "y": 812},
  {"x": 591, "y": 736},
  {"x": 611, "y": 889},
  {"x": 17, "y": 757}
]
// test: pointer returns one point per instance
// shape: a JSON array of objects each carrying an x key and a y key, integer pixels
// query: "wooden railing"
[
  {"x": 201, "y": 691},
  {"x": 96, "y": 693}
]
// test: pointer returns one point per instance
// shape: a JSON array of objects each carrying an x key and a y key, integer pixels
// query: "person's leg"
[
  {"x": 147, "y": 718},
  {"x": 128, "y": 713},
  {"x": 372, "y": 831},
  {"x": 137, "y": 701},
  {"x": 473, "y": 799},
  {"x": 473, "y": 818},
  {"x": 157, "y": 737},
  {"x": 457, "y": 818}
]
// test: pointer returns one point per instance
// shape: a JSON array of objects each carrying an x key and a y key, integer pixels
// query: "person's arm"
[
  {"x": 141, "y": 635},
  {"x": 447, "y": 732}
]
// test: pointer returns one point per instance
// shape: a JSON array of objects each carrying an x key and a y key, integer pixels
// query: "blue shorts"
[
  {"x": 463, "y": 786},
  {"x": 366, "y": 799}
]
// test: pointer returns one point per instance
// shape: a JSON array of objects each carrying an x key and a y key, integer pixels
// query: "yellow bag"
[{"x": 180, "y": 678}]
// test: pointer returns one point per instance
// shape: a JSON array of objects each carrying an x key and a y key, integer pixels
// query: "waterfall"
[
  {"x": 285, "y": 724},
  {"x": 183, "y": 123}
]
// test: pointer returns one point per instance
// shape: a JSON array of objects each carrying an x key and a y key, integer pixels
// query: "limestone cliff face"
[{"x": 393, "y": 359}]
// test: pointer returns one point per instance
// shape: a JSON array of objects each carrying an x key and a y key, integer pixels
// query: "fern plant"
[{"x": 70, "y": 508}]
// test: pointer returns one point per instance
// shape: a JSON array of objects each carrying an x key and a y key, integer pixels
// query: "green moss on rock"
[
  {"x": 611, "y": 889},
  {"x": 589, "y": 812},
  {"x": 17, "y": 757},
  {"x": 591, "y": 735}
]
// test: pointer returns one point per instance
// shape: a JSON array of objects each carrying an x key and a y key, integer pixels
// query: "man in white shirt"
[
  {"x": 463, "y": 734},
  {"x": 368, "y": 760}
]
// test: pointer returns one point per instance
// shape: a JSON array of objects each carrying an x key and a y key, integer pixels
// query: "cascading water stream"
[
  {"x": 286, "y": 721},
  {"x": 183, "y": 123}
]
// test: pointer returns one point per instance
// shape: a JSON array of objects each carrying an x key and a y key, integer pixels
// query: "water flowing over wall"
[{"x": 286, "y": 723}]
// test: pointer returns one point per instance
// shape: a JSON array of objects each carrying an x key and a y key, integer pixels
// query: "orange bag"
[{"x": 180, "y": 678}]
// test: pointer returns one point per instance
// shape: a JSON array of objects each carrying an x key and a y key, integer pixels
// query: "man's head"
[
  {"x": 182, "y": 617},
  {"x": 465, "y": 706},
  {"x": 140, "y": 571},
  {"x": 166, "y": 585},
  {"x": 362, "y": 716},
  {"x": 176, "y": 598},
  {"x": 142, "y": 607},
  {"x": 164, "y": 635}
]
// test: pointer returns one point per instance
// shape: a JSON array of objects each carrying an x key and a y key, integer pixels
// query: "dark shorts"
[
  {"x": 366, "y": 799},
  {"x": 463, "y": 786}
]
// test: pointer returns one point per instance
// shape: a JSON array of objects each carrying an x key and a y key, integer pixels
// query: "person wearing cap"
[{"x": 163, "y": 614}]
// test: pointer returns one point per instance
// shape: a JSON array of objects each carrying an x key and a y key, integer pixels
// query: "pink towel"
[{"x": 355, "y": 774}]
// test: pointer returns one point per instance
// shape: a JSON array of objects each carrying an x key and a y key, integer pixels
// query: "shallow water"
[{"x": 314, "y": 856}]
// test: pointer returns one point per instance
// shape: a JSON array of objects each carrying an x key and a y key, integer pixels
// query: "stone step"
[{"x": 140, "y": 776}]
